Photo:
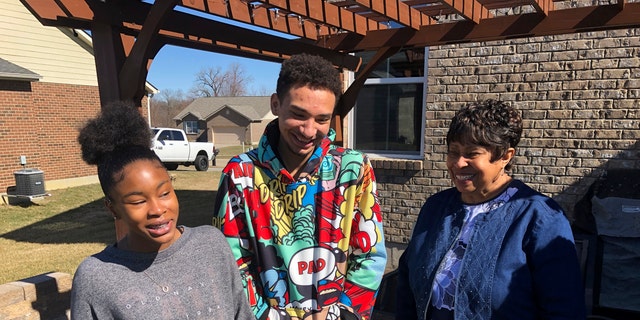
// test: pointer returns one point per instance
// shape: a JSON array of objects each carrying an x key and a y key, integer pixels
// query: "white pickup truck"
[{"x": 173, "y": 148}]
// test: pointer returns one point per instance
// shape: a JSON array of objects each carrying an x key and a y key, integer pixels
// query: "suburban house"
[
  {"x": 226, "y": 121},
  {"x": 48, "y": 89}
]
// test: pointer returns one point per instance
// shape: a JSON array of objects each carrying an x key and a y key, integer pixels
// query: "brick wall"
[
  {"x": 41, "y": 121},
  {"x": 579, "y": 95}
]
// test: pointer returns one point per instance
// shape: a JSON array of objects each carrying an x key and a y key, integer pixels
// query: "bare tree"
[
  {"x": 214, "y": 82},
  {"x": 261, "y": 91},
  {"x": 166, "y": 105},
  {"x": 237, "y": 81},
  {"x": 209, "y": 82}
]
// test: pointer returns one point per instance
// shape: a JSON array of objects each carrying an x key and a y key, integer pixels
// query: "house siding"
[
  {"x": 230, "y": 121},
  {"x": 228, "y": 124},
  {"x": 41, "y": 120},
  {"x": 228, "y": 118},
  {"x": 579, "y": 95},
  {"x": 257, "y": 129},
  {"x": 47, "y": 51},
  {"x": 201, "y": 136}
]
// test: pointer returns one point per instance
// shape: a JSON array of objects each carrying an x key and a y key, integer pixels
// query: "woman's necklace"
[
  {"x": 124, "y": 245},
  {"x": 165, "y": 289}
]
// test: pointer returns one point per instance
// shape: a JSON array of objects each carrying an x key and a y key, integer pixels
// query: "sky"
[{"x": 175, "y": 68}]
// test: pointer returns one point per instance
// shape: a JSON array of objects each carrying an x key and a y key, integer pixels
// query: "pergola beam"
[
  {"x": 197, "y": 33},
  {"x": 348, "y": 99},
  {"x": 472, "y": 10},
  {"x": 564, "y": 21},
  {"x": 305, "y": 18},
  {"x": 134, "y": 71}
]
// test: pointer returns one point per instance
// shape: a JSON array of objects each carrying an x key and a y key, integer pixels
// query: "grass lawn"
[
  {"x": 228, "y": 152},
  {"x": 59, "y": 231}
]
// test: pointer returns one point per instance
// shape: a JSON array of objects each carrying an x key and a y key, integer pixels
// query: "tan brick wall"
[
  {"x": 579, "y": 95},
  {"x": 42, "y": 297}
]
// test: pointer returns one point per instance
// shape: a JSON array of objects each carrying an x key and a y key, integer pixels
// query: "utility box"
[{"x": 29, "y": 182}]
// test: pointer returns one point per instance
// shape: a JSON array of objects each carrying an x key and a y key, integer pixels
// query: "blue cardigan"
[{"x": 521, "y": 262}]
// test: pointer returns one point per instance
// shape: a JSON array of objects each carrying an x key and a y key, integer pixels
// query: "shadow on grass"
[{"x": 92, "y": 222}]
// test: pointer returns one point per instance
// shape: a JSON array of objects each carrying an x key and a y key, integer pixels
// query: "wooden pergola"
[{"x": 127, "y": 34}]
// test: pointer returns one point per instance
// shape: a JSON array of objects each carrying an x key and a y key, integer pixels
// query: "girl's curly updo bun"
[{"x": 119, "y": 135}]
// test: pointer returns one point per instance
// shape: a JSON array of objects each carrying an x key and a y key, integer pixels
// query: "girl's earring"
[{"x": 107, "y": 203}]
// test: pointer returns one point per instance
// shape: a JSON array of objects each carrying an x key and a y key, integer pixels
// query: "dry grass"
[
  {"x": 58, "y": 232},
  {"x": 228, "y": 152}
]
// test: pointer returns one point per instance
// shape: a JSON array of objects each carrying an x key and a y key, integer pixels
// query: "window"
[
  {"x": 165, "y": 135},
  {"x": 171, "y": 135},
  {"x": 177, "y": 136},
  {"x": 191, "y": 127},
  {"x": 388, "y": 119}
]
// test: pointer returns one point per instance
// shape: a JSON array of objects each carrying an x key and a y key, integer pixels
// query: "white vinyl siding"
[{"x": 55, "y": 54}]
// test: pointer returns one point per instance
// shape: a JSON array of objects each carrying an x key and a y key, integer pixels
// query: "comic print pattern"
[{"x": 306, "y": 248}]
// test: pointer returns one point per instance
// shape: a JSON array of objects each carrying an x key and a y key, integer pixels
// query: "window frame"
[
  {"x": 197, "y": 126},
  {"x": 391, "y": 81}
]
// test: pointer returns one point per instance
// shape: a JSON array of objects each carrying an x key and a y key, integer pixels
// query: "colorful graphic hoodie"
[{"x": 306, "y": 248}]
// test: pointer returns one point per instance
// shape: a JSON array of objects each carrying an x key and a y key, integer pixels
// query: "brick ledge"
[
  {"x": 45, "y": 296},
  {"x": 396, "y": 164}
]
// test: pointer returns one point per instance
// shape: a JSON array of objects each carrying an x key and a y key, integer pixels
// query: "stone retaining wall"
[{"x": 45, "y": 296}]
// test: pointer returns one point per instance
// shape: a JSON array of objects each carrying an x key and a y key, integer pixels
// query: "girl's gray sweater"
[{"x": 195, "y": 278}]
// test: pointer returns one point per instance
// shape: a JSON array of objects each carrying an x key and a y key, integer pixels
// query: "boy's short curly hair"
[
  {"x": 492, "y": 124},
  {"x": 119, "y": 135},
  {"x": 308, "y": 70}
]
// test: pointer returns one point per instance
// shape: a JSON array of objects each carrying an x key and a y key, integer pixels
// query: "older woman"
[{"x": 492, "y": 247}]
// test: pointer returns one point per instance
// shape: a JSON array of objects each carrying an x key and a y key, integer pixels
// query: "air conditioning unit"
[{"x": 29, "y": 182}]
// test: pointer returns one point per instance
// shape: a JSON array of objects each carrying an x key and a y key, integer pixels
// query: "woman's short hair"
[{"x": 492, "y": 124}]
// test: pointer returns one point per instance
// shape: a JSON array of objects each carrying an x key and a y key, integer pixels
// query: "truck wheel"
[
  {"x": 201, "y": 163},
  {"x": 171, "y": 166}
]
